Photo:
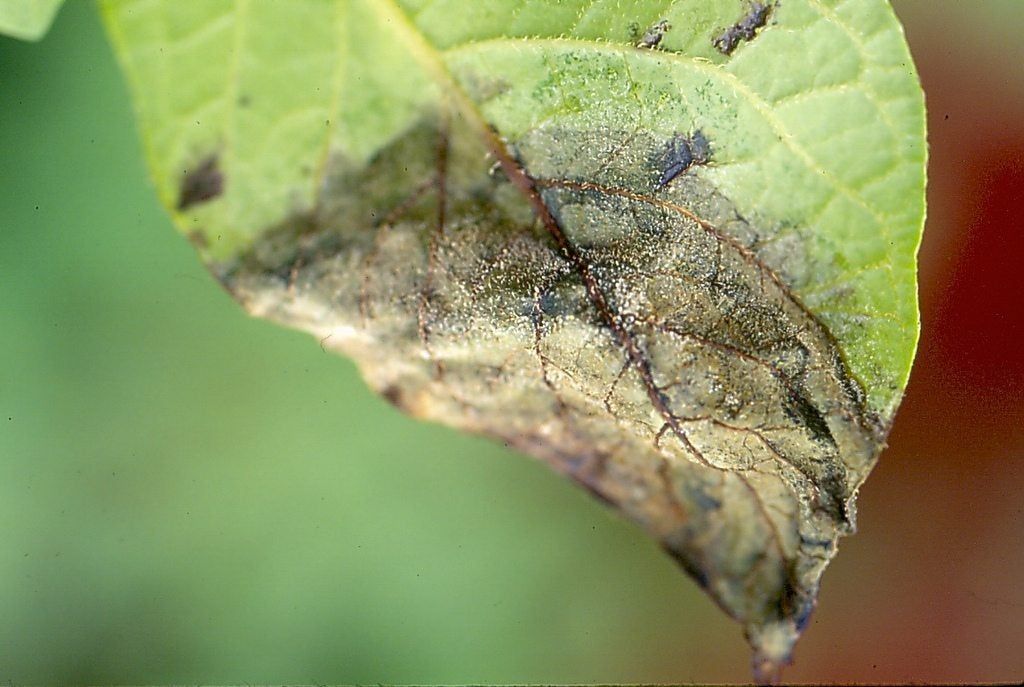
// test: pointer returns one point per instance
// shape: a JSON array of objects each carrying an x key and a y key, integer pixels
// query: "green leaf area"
[
  {"x": 667, "y": 246},
  {"x": 28, "y": 20}
]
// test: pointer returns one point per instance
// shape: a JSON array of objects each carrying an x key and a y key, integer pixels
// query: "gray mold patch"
[{"x": 622, "y": 335}]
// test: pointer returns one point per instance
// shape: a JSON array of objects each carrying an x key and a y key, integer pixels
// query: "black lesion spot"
[
  {"x": 201, "y": 184},
  {"x": 653, "y": 35},
  {"x": 790, "y": 600},
  {"x": 833, "y": 494},
  {"x": 805, "y": 413},
  {"x": 682, "y": 153},
  {"x": 746, "y": 28}
]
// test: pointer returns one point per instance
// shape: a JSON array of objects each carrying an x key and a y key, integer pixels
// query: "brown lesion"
[
  {"x": 393, "y": 395},
  {"x": 617, "y": 426},
  {"x": 792, "y": 602},
  {"x": 201, "y": 183}
]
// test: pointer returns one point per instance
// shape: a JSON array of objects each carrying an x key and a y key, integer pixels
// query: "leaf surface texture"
[{"x": 684, "y": 278}]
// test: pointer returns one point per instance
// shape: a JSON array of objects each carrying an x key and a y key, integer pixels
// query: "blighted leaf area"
[{"x": 585, "y": 310}]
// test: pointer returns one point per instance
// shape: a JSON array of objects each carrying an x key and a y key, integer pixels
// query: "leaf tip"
[{"x": 773, "y": 649}]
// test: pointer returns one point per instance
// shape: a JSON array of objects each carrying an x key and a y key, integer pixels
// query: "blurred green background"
[{"x": 190, "y": 495}]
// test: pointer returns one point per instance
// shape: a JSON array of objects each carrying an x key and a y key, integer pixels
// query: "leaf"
[
  {"x": 668, "y": 247},
  {"x": 28, "y": 20}
]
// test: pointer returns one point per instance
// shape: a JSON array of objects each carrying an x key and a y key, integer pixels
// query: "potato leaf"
[{"x": 668, "y": 247}]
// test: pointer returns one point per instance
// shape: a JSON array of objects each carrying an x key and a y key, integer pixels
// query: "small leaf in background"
[
  {"x": 28, "y": 20},
  {"x": 670, "y": 250}
]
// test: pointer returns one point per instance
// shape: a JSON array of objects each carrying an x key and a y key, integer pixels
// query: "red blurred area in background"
[
  {"x": 931, "y": 588},
  {"x": 976, "y": 314}
]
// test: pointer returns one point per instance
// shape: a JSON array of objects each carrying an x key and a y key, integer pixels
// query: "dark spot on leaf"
[
  {"x": 653, "y": 35},
  {"x": 789, "y": 601},
  {"x": 393, "y": 395},
  {"x": 802, "y": 410},
  {"x": 834, "y": 499},
  {"x": 746, "y": 28},
  {"x": 201, "y": 184},
  {"x": 682, "y": 153}
]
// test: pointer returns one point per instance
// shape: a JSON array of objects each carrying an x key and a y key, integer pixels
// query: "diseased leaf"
[
  {"x": 682, "y": 275},
  {"x": 28, "y": 20}
]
